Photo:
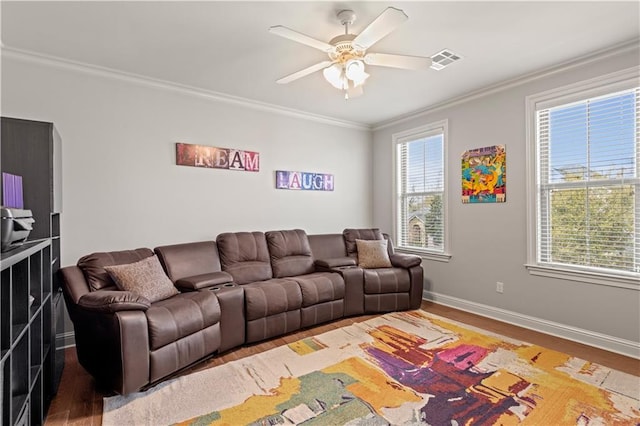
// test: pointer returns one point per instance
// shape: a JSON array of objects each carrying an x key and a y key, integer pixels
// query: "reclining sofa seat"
[
  {"x": 196, "y": 267},
  {"x": 125, "y": 342},
  {"x": 282, "y": 290},
  {"x": 396, "y": 288},
  {"x": 322, "y": 292},
  {"x": 272, "y": 305}
]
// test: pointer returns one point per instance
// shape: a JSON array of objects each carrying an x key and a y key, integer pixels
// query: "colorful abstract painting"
[
  {"x": 484, "y": 175},
  {"x": 405, "y": 368},
  {"x": 212, "y": 157}
]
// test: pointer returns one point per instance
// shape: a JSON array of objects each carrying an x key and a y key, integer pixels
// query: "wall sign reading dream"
[
  {"x": 304, "y": 181},
  {"x": 217, "y": 158}
]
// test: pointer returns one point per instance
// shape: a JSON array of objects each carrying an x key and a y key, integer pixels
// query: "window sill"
[
  {"x": 630, "y": 282},
  {"x": 439, "y": 257}
]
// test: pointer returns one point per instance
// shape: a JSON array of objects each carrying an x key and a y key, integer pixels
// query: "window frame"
[
  {"x": 592, "y": 88},
  {"x": 431, "y": 129}
]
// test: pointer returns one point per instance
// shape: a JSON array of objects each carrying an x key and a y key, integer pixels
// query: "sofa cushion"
[
  {"x": 351, "y": 235},
  {"x": 182, "y": 315},
  {"x": 92, "y": 265},
  {"x": 275, "y": 296},
  {"x": 320, "y": 287},
  {"x": 373, "y": 254},
  {"x": 245, "y": 256},
  {"x": 290, "y": 253},
  {"x": 145, "y": 277},
  {"x": 386, "y": 280}
]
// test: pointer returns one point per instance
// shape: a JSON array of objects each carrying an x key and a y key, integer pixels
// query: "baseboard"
[
  {"x": 598, "y": 340},
  {"x": 65, "y": 340}
]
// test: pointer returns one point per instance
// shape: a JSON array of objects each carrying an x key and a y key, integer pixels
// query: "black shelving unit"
[
  {"x": 26, "y": 316},
  {"x": 33, "y": 150}
]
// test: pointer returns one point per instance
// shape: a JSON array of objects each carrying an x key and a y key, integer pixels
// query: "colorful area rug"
[{"x": 402, "y": 369}]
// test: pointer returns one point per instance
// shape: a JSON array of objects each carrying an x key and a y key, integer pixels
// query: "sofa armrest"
[
  {"x": 335, "y": 262},
  {"x": 73, "y": 283},
  {"x": 114, "y": 348},
  {"x": 406, "y": 261},
  {"x": 198, "y": 282},
  {"x": 107, "y": 301}
]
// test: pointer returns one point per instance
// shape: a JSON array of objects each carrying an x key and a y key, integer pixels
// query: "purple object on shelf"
[
  {"x": 8, "y": 197},
  {"x": 12, "y": 191}
]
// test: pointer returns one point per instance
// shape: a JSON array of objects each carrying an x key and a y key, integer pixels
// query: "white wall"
[
  {"x": 488, "y": 241},
  {"x": 122, "y": 189}
]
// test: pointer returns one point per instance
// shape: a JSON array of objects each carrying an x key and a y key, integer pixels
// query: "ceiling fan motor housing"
[{"x": 344, "y": 49}]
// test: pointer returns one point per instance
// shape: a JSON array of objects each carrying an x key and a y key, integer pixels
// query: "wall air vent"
[{"x": 443, "y": 58}]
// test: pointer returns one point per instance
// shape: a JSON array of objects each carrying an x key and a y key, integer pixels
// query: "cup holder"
[{"x": 220, "y": 287}]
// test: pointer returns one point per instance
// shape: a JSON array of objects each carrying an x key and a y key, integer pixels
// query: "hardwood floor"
[{"x": 79, "y": 401}]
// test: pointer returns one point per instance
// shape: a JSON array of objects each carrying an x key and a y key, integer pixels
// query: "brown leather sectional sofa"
[{"x": 242, "y": 288}]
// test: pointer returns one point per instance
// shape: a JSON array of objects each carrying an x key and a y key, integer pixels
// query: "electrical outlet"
[{"x": 499, "y": 287}]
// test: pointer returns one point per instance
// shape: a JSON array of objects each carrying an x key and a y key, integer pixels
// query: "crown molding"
[
  {"x": 617, "y": 49},
  {"x": 57, "y": 62},
  {"x": 53, "y": 61}
]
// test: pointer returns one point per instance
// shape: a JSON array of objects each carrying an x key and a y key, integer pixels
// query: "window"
[
  {"x": 587, "y": 183},
  {"x": 420, "y": 202}
]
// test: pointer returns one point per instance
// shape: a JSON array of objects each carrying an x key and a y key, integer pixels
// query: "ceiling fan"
[{"x": 345, "y": 68}]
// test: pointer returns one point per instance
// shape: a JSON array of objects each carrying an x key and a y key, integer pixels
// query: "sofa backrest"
[
  {"x": 92, "y": 265},
  {"x": 327, "y": 246},
  {"x": 244, "y": 255},
  {"x": 189, "y": 259},
  {"x": 290, "y": 253},
  {"x": 351, "y": 235}
]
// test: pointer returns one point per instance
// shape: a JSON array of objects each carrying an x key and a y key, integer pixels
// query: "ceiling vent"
[{"x": 443, "y": 58}]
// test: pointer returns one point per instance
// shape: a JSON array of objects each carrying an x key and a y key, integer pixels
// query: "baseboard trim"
[
  {"x": 598, "y": 340},
  {"x": 65, "y": 340}
]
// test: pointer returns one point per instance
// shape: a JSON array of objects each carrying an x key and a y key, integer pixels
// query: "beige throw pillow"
[
  {"x": 145, "y": 278},
  {"x": 373, "y": 254}
]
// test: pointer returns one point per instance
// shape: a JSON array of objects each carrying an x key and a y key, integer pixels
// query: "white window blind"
[
  {"x": 588, "y": 184},
  {"x": 421, "y": 190}
]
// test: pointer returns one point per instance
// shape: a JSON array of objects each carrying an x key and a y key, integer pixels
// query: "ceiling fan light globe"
[
  {"x": 334, "y": 76},
  {"x": 354, "y": 69}
]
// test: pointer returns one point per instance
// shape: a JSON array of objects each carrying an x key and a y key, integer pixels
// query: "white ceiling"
[{"x": 224, "y": 47}]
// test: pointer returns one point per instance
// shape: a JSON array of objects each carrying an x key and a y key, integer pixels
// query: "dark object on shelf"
[{"x": 16, "y": 225}]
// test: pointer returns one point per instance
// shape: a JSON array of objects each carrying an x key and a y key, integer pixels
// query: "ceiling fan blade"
[
  {"x": 398, "y": 61},
  {"x": 301, "y": 38},
  {"x": 386, "y": 22},
  {"x": 304, "y": 72}
]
